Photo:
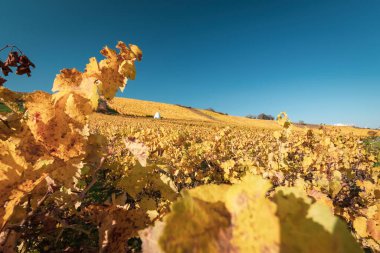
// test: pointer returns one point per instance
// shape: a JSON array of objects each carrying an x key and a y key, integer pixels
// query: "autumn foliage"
[
  {"x": 49, "y": 142},
  {"x": 15, "y": 59},
  {"x": 72, "y": 181}
]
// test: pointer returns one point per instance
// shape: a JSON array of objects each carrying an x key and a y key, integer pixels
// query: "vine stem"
[
  {"x": 82, "y": 194},
  {"x": 93, "y": 181},
  {"x": 11, "y": 46}
]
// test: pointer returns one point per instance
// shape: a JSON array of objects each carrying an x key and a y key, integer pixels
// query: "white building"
[{"x": 157, "y": 115}]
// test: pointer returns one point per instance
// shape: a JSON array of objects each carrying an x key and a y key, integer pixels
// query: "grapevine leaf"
[
  {"x": 138, "y": 178},
  {"x": 17, "y": 194},
  {"x": 92, "y": 68},
  {"x": 283, "y": 120},
  {"x": 67, "y": 79},
  {"x": 117, "y": 225},
  {"x": 139, "y": 150},
  {"x": 235, "y": 218},
  {"x": 59, "y": 127},
  {"x": 200, "y": 227},
  {"x": 12, "y": 167},
  {"x": 136, "y": 51},
  {"x": 307, "y": 227},
  {"x": 255, "y": 225},
  {"x": 360, "y": 226}
]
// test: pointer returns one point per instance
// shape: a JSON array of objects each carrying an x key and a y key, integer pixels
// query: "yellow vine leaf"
[
  {"x": 360, "y": 226},
  {"x": 136, "y": 51},
  {"x": 131, "y": 53},
  {"x": 283, "y": 120},
  {"x": 200, "y": 227},
  {"x": 103, "y": 78},
  {"x": 87, "y": 89},
  {"x": 110, "y": 78},
  {"x": 12, "y": 167},
  {"x": 16, "y": 195},
  {"x": 68, "y": 79},
  {"x": 117, "y": 225},
  {"x": 321, "y": 198},
  {"x": 308, "y": 227},
  {"x": 65, "y": 173},
  {"x": 39, "y": 107},
  {"x": 296, "y": 225},
  {"x": 92, "y": 68},
  {"x": 138, "y": 178},
  {"x": 128, "y": 69},
  {"x": 277, "y": 135},
  {"x": 223, "y": 218},
  {"x": 368, "y": 228},
  {"x": 18, "y": 174},
  {"x": 210, "y": 193},
  {"x": 59, "y": 127},
  {"x": 255, "y": 225},
  {"x": 77, "y": 108},
  {"x": 373, "y": 226}
]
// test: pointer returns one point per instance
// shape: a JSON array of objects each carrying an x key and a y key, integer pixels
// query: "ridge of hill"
[{"x": 141, "y": 108}]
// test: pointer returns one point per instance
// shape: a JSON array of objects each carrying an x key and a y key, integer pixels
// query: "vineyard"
[
  {"x": 140, "y": 108},
  {"x": 72, "y": 180}
]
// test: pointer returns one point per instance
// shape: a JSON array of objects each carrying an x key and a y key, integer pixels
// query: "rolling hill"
[{"x": 140, "y": 108}]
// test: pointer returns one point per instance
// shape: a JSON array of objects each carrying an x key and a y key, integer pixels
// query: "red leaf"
[
  {"x": 2, "y": 81},
  {"x": 21, "y": 70},
  {"x": 5, "y": 69},
  {"x": 24, "y": 61},
  {"x": 12, "y": 59}
]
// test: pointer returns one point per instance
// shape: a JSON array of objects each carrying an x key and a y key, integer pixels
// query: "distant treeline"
[
  {"x": 212, "y": 110},
  {"x": 260, "y": 116}
]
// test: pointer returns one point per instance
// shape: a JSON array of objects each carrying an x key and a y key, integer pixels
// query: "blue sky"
[{"x": 317, "y": 60}]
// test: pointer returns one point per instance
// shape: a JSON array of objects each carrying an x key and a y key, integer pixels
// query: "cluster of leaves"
[
  {"x": 15, "y": 59},
  {"x": 240, "y": 218},
  {"x": 333, "y": 167},
  {"x": 47, "y": 149}
]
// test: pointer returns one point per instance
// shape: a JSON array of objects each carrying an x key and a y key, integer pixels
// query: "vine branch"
[{"x": 11, "y": 46}]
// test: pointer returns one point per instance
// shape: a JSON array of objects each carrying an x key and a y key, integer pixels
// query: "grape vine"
[{"x": 16, "y": 59}]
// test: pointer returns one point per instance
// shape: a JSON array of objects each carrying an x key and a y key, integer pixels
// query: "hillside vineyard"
[{"x": 72, "y": 180}]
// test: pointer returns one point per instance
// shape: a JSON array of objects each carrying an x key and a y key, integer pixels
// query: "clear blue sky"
[{"x": 317, "y": 60}]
